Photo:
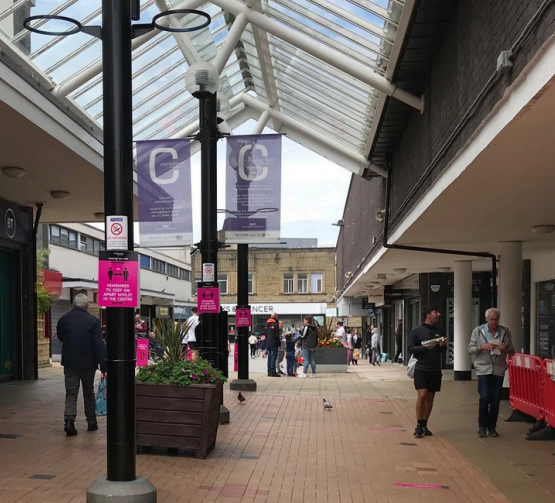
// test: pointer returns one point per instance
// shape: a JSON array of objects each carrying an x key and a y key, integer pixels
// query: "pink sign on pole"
[
  {"x": 208, "y": 300},
  {"x": 142, "y": 352},
  {"x": 118, "y": 279},
  {"x": 242, "y": 317},
  {"x": 236, "y": 358}
]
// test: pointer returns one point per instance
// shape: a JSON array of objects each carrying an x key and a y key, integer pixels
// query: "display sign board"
[
  {"x": 116, "y": 232},
  {"x": 242, "y": 317},
  {"x": 118, "y": 279},
  {"x": 142, "y": 352},
  {"x": 208, "y": 272},
  {"x": 15, "y": 223},
  {"x": 366, "y": 304},
  {"x": 208, "y": 300}
]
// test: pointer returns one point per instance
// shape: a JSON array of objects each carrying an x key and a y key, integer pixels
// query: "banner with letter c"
[
  {"x": 253, "y": 189},
  {"x": 164, "y": 179}
]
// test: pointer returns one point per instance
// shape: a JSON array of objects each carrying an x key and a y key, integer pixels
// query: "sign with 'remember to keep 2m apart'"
[
  {"x": 208, "y": 300},
  {"x": 118, "y": 279}
]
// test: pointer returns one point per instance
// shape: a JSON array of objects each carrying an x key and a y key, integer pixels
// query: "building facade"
[
  {"x": 472, "y": 173},
  {"x": 293, "y": 282}
]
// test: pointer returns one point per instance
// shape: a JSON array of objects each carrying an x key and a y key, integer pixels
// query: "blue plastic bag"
[
  {"x": 384, "y": 357},
  {"x": 101, "y": 407}
]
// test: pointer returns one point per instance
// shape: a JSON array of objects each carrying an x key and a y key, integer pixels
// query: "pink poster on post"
[
  {"x": 242, "y": 317},
  {"x": 208, "y": 300},
  {"x": 118, "y": 279},
  {"x": 142, "y": 352},
  {"x": 236, "y": 358}
]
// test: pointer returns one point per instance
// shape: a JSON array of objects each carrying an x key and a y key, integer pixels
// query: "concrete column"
[
  {"x": 510, "y": 286},
  {"x": 510, "y": 293},
  {"x": 463, "y": 318}
]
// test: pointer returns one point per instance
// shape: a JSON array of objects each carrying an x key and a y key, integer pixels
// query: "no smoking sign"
[{"x": 116, "y": 232}]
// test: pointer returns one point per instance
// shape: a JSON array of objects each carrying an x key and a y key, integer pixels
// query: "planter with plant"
[
  {"x": 331, "y": 355},
  {"x": 177, "y": 400}
]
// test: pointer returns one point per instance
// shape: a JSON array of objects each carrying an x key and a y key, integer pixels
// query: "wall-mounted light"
[
  {"x": 543, "y": 229},
  {"x": 13, "y": 172},
  {"x": 444, "y": 269},
  {"x": 400, "y": 270},
  {"x": 339, "y": 223}
]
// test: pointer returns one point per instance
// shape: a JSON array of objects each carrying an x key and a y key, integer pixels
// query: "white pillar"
[
  {"x": 510, "y": 286},
  {"x": 463, "y": 318},
  {"x": 510, "y": 294}
]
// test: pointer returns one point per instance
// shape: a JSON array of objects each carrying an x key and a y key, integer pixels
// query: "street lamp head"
[
  {"x": 202, "y": 78},
  {"x": 222, "y": 106}
]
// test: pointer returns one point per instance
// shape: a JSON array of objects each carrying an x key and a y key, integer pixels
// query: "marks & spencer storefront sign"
[{"x": 285, "y": 308}]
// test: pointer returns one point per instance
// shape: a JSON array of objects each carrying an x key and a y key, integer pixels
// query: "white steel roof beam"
[
  {"x": 227, "y": 48},
  {"x": 359, "y": 159},
  {"x": 330, "y": 56},
  {"x": 261, "y": 124}
]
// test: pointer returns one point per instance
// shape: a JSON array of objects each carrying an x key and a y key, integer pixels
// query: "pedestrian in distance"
[
  {"x": 428, "y": 346},
  {"x": 281, "y": 350},
  {"x": 273, "y": 342},
  {"x": 252, "y": 344},
  {"x": 357, "y": 345},
  {"x": 398, "y": 342},
  {"x": 190, "y": 337},
  {"x": 290, "y": 341},
  {"x": 83, "y": 352},
  {"x": 491, "y": 344},
  {"x": 141, "y": 327},
  {"x": 375, "y": 345},
  {"x": 309, "y": 340}
]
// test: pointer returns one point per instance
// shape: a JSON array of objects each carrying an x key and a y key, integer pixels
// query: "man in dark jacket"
[
  {"x": 427, "y": 345},
  {"x": 309, "y": 340},
  {"x": 83, "y": 351},
  {"x": 273, "y": 341}
]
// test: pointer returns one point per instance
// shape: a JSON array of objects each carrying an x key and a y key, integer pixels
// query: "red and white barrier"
[
  {"x": 549, "y": 392},
  {"x": 527, "y": 381}
]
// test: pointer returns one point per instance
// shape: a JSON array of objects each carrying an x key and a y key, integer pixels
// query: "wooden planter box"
[
  {"x": 331, "y": 360},
  {"x": 181, "y": 417}
]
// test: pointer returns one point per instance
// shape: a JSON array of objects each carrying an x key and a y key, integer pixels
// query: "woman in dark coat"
[{"x": 356, "y": 345}]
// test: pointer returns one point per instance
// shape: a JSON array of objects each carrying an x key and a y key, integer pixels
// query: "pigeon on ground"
[
  {"x": 327, "y": 406},
  {"x": 241, "y": 398}
]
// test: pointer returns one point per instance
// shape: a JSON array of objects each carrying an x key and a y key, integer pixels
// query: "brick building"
[{"x": 291, "y": 281}]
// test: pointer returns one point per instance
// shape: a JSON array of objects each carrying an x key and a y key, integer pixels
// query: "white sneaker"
[
  {"x": 301, "y": 375},
  {"x": 313, "y": 375}
]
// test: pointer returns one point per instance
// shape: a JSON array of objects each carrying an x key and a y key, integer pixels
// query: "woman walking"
[{"x": 357, "y": 345}]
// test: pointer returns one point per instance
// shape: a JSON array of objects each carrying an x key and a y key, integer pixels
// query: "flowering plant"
[
  {"x": 182, "y": 372},
  {"x": 329, "y": 343}
]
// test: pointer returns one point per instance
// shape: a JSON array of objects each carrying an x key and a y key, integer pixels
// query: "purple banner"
[
  {"x": 164, "y": 178},
  {"x": 253, "y": 189}
]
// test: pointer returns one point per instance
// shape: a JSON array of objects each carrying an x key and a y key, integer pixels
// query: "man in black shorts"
[{"x": 426, "y": 344}]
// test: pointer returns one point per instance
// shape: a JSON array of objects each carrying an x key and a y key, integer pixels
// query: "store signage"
[
  {"x": 331, "y": 312},
  {"x": 162, "y": 312},
  {"x": 52, "y": 281},
  {"x": 301, "y": 308},
  {"x": 366, "y": 304},
  {"x": 142, "y": 352},
  {"x": 208, "y": 300},
  {"x": 242, "y": 317},
  {"x": 118, "y": 279},
  {"x": 15, "y": 223}
]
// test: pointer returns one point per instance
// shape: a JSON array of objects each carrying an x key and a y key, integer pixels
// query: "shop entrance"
[{"x": 8, "y": 316}]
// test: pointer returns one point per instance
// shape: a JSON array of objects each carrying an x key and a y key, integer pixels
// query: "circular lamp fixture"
[
  {"x": 400, "y": 270},
  {"x": 202, "y": 77},
  {"x": 222, "y": 106},
  {"x": 444, "y": 269},
  {"x": 99, "y": 215},
  {"x": 59, "y": 194},
  {"x": 543, "y": 229},
  {"x": 13, "y": 172}
]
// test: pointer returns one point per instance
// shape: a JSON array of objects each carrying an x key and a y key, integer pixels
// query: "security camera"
[{"x": 380, "y": 215}]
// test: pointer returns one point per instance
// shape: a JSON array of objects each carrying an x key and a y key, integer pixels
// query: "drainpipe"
[
  {"x": 35, "y": 302},
  {"x": 435, "y": 250}
]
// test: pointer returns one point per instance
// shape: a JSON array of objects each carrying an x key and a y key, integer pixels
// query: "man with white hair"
[
  {"x": 83, "y": 351},
  {"x": 491, "y": 343}
]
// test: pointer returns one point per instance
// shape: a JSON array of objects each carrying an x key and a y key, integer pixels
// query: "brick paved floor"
[{"x": 280, "y": 446}]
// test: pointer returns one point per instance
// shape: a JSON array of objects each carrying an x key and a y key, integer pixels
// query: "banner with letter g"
[{"x": 164, "y": 179}]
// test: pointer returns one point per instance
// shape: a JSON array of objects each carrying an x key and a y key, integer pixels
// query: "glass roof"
[{"x": 335, "y": 106}]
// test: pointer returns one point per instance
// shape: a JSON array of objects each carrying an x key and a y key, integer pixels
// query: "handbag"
[
  {"x": 356, "y": 354},
  {"x": 100, "y": 404},
  {"x": 411, "y": 366}
]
